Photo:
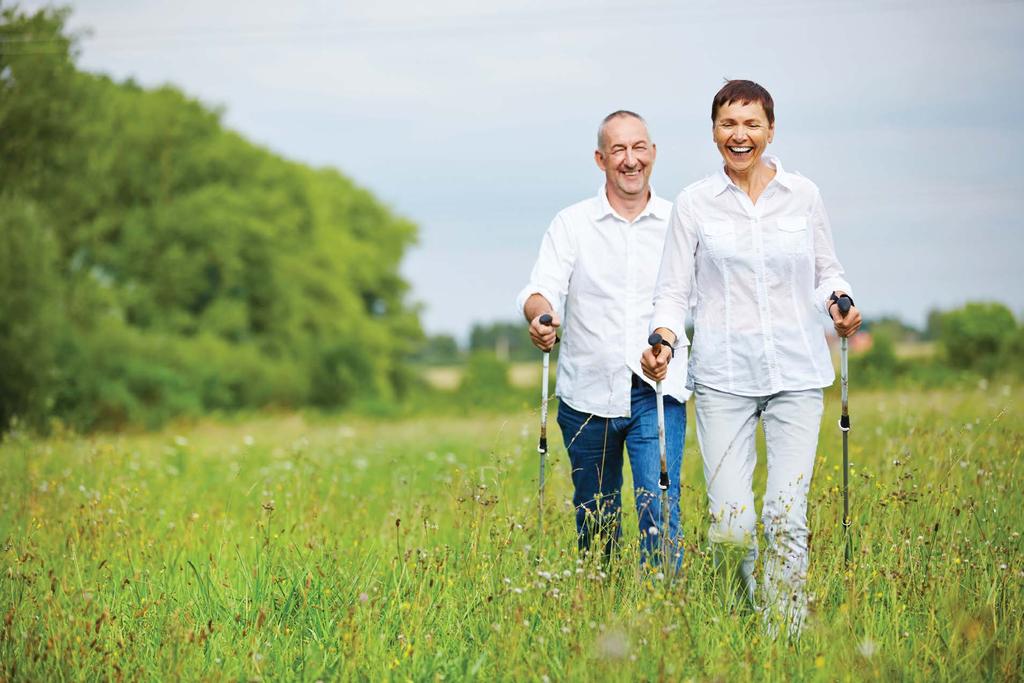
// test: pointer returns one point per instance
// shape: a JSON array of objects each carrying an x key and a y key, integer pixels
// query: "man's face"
[
  {"x": 742, "y": 133},
  {"x": 626, "y": 157}
]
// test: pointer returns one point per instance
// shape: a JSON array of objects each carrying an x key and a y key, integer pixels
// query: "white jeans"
[{"x": 725, "y": 430}]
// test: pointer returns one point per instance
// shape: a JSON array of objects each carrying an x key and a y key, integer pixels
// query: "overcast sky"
[{"x": 477, "y": 121}]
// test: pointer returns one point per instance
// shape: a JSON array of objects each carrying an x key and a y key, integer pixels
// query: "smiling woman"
[
  {"x": 744, "y": 125},
  {"x": 754, "y": 242}
]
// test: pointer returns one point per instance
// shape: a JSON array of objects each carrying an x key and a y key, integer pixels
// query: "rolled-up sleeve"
[
  {"x": 676, "y": 275},
  {"x": 828, "y": 272},
  {"x": 553, "y": 268}
]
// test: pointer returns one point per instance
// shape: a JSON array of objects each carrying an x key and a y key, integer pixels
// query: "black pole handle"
[
  {"x": 545, "y": 319},
  {"x": 844, "y": 303},
  {"x": 654, "y": 339}
]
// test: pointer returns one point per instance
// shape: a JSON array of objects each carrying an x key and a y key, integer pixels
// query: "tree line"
[
  {"x": 154, "y": 263},
  {"x": 979, "y": 338}
]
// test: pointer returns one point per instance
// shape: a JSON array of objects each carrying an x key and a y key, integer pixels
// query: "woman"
[{"x": 752, "y": 246}]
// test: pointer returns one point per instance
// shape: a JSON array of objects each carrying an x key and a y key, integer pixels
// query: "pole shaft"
[
  {"x": 844, "y": 424},
  {"x": 664, "y": 481},
  {"x": 542, "y": 446}
]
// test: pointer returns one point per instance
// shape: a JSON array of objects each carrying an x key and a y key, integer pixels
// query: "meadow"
[{"x": 311, "y": 547}]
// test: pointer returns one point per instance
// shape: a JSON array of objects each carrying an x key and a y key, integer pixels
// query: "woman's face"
[{"x": 742, "y": 133}]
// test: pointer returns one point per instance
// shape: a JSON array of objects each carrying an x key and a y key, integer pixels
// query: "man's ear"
[{"x": 599, "y": 159}]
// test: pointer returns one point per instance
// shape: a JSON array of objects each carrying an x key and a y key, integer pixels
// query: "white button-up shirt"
[
  {"x": 598, "y": 271},
  {"x": 762, "y": 274}
]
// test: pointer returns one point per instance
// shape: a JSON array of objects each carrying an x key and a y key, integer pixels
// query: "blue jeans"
[{"x": 595, "y": 446}]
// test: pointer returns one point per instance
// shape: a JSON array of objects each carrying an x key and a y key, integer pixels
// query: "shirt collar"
[
  {"x": 603, "y": 208},
  {"x": 721, "y": 180}
]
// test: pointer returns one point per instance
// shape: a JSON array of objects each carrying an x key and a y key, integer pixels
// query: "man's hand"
[
  {"x": 845, "y": 325},
  {"x": 655, "y": 359},
  {"x": 544, "y": 336}
]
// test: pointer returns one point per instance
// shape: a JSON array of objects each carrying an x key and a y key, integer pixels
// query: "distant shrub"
[
  {"x": 975, "y": 337},
  {"x": 485, "y": 375},
  {"x": 879, "y": 364}
]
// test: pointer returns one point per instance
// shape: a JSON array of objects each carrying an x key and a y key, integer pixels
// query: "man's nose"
[{"x": 630, "y": 157}]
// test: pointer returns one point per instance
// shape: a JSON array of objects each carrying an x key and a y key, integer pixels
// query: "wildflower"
[
  {"x": 867, "y": 648},
  {"x": 363, "y": 597}
]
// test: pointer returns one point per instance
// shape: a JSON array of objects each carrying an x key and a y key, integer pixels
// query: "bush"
[
  {"x": 485, "y": 380},
  {"x": 975, "y": 337},
  {"x": 879, "y": 364}
]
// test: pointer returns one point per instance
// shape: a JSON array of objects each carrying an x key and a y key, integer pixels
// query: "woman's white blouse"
[{"x": 758, "y": 276}]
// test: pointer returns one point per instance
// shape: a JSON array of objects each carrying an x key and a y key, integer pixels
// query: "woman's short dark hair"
[{"x": 745, "y": 92}]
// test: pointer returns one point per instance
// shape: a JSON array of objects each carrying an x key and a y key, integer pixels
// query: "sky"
[{"x": 477, "y": 121}]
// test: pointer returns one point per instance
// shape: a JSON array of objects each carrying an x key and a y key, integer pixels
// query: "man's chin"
[{"x": 633, "y": 187}]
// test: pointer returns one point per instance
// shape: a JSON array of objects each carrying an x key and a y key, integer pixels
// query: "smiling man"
[
  {"x": 751, "y": 244},
  {"x": 595, "y": 275}
]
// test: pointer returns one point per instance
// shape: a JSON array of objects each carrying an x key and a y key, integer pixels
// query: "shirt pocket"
[
  {"x": 793, "y": 235},
  {"x": 720, "y": 238}
]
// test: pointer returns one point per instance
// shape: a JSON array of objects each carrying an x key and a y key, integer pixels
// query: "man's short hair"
[
  {"x": 745, "y": 92},
  {"x": 614, "y": 115}
]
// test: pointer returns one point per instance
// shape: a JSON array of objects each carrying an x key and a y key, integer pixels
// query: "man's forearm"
[{"x": 536, "y": 305}]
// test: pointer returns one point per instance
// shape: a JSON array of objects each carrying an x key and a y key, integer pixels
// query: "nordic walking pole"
[
  {"x": 542, "y": 446},
  {"x": 844, "y": 304},
  {"x": 663, "y": 483}
]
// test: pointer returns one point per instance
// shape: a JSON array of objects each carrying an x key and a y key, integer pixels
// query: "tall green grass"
[{"x": 349, "y": 548}]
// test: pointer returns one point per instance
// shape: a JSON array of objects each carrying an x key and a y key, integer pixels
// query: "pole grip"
[{"x": 844, "y": 303}]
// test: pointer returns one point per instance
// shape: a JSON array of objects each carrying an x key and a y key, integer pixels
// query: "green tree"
[
  {"x": 511, "y": 340},
  {"x": 259, "y": 280},
  {"x": 439, "y": 349},
  {"x": 30, "y": 313},
  {"x": 974, "y": 337},
  {"x": 894, "y": 329}
]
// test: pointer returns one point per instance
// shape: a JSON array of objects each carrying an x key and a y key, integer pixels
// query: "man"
[
  {"x": 595, "y": 276},
  {"x": 753, "y": 246}
]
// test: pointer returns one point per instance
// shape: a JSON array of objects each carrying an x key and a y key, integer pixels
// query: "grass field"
[{"x": 345, "y": 548}]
